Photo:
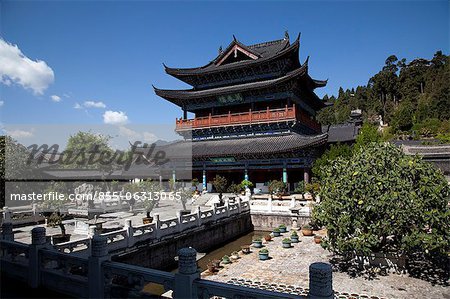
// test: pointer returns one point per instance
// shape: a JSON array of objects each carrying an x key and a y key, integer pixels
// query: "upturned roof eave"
[{"x": 180, "y": 73}]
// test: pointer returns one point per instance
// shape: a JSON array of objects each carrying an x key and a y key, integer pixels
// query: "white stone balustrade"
[
  {"x": 41, "y": 265},
  {"x": 159, "y": 229}
]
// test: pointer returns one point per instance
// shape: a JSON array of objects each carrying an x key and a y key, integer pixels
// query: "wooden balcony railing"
[{"x": 250, "y": 117}]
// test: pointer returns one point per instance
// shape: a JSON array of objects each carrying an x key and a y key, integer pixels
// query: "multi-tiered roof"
[
  {"x": 249, "y": 95},
  {"x": 244, "y": 69}
]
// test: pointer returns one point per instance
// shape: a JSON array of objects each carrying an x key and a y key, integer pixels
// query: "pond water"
[{"x": 227, "y": 249}]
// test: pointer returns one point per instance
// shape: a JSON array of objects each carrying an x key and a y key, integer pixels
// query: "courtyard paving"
[{"x": 290, "y": 267}]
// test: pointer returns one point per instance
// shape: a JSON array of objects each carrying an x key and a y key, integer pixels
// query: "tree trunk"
[{"x": 63, "y": 229}]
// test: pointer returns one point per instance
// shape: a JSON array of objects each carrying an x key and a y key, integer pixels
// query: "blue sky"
[{"x": 112, "y": 52}]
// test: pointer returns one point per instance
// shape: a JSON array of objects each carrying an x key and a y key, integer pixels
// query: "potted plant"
[
  {"x": 235, "y": 255},
  {"x": 276, "y": 232},
  {"x": 307, "y": 230},
  {"x": 148, "y": 206},
  {"x": 216, "y": 263},
  {"x": 277, "y": 188},
  {"x": 245, "y": 249},
  {"x": 194, "y": 184},
  {"x": 294, "y": 237},
  {"x": 257, "y": 242},
  {"x": 267, "y": 237},
  {"x": 246, "y": 184},
  {"x": 300, "y": 189},
  {"x": 317, "y": 239},
  {"x": 226, "y": 259},
  {"x": 54, "y": 220},
  {"x": 220, "y": 184},
  {"x": 263, "y": 254},
  {"x": 211, "y": 268},
  {"x": 282, "y": 228},
  {"x": 287, "y": 243}
]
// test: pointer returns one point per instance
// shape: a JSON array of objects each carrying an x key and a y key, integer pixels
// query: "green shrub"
[
  {"x": 384, "y": 201},
  {"x": 264, "y": 251},
  {"x": 287, "y": 240}
]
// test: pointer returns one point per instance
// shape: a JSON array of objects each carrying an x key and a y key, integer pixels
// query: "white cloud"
[
  {"x": 77, "y": 106},
  {"x": 150, "y": 137},
  {"x": 124, "y": 131},
  {"x": 55, "y": 98},
  {"x": 92, "y": 104},
  {"x": 115, "y": 117},
  {"x": 2, "y": 103},
  {"x": 19, "y": 134},
  {"x": 134, "y": 135},
  {"x": 15, "y": 67}
]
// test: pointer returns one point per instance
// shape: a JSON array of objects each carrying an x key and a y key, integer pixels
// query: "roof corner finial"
[
  {"x": 286, "y": 35},
  {"x": 298, "y": 36},
  {"x": 220, "y": 50},
  {"x": 165, "y": 66},
  {"x": 234, "y": 38}
]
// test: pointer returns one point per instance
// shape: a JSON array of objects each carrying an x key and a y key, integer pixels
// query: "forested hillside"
[{"x": 413, "y": 98}]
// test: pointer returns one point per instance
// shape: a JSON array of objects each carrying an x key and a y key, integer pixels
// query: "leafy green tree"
[
  {"x": 85, "y": 144},
  {"x": 331, "y": 154},
  {"x": 367, "y": 134},
  {"x": 403, "y": 117},
  {"x": 382, "y": 200},
  {"x": 220, "y": 183},
  {"x": 276, "y": 188}
]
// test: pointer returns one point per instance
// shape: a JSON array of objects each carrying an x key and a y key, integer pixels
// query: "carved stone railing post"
[
  {"x": 7, "y": 214},
  {"x": 99, "y": 254},
  {"x": 187, "y": 273},
  {"x": 7, "y": 231},
  {"x": 199, "y": 216},
  {"x": 227, "y": 207},
  {"x": 320, "y": 281},
  {"x": 157, "y": 225},
  {"x": 92, "y": 231},
  {"x": 129, "y": 228},
  {"x": 38, "y": 241},
  {"x": 35, "y": 212},
  {"x": 269, "y": 204},
  {"x": 180, "y": 222},
  {"x": 214, "y": 211},
  {"x": 239, "y": 204}
]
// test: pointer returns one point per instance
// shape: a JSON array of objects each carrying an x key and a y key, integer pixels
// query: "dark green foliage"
[
  {"x": 220, "y": 183},
  {"x": 367, "y": 134},
  {"x": 277, "y": 188},
  {"x": 404, "y": 94},
  {"x": 234, "y": 188},
  {"x": 335, "y": 151},
  {"x": 384, "y": 201}
]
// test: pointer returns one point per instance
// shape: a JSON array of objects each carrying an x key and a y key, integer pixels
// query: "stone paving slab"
[{"x": 291, "y": 267}]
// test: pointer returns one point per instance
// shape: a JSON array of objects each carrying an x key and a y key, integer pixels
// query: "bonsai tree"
[
  {"x": 234, "y": 188},
  {"x": 220, "y": 183},
  {"x": 276, "y": 188},
  {"x": 313, "y": 188},
  {"x": 384, "y": 201},
  {"x": 246, "y": 184},
  {"x": 300, "y": 189},
  {"x": 194, "y": 183},
  {"x": 56, "y": 219}
]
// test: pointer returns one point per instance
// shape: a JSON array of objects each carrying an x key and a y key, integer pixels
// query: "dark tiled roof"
[
  {"x": 175, "y": 95},
  {"x": 247, "y": 145},
  {"x": 266, "y": 51},
  {"x": 341, "y": 132}
]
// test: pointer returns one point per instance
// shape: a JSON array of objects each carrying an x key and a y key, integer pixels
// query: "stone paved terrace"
[
  {"x": 290, "y": 267},
  {"x": 166, "y": 209}
]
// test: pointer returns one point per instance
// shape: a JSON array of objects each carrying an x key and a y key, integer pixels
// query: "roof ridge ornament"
[
  {"x": 234, "y": 38},
  {"x": 286, "y": 35},
  {"x": 220, "y": 50}
]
